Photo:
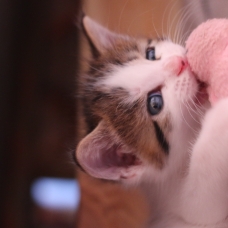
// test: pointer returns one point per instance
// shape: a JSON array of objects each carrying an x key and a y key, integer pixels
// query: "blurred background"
[{"x": 40, "y": 116}]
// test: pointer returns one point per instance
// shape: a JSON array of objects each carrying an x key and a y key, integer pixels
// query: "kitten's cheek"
[{"x": 175, "y": 65}]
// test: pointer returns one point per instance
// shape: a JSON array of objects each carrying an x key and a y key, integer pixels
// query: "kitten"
[{"x": 153, "y": 127}]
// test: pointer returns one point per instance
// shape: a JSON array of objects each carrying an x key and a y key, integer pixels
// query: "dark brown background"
[{"x": 38, "y": 53}]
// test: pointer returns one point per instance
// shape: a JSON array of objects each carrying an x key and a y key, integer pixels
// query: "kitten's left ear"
[{"x": 99, "y": 37}]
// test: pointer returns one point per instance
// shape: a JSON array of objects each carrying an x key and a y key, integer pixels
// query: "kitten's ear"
[
  {"x": 102, "y": 155},
  {"x": 99, "y": 37}
]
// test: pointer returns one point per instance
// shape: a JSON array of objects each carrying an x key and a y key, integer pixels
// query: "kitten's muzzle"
[{"x": 176, "y": 65}]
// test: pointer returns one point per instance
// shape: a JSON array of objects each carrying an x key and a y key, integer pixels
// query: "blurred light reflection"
[{"x": 56, "y": 193}]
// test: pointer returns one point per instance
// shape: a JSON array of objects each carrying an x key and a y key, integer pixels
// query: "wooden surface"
[
  {"x": 134, "y": 17},
  {"x": 108, "y": 205},
  {"x": 38, "y": 46}
]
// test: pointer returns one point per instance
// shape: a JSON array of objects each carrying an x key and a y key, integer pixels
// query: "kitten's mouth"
[
  {"x": 202, "y": 94},
  {"x": 122, "y": 158}
]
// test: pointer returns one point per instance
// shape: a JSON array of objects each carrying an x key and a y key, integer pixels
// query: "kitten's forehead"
[{"x": 137, "y": 78}]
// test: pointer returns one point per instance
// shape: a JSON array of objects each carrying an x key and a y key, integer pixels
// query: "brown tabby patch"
[{"x": 131, "y": 122}]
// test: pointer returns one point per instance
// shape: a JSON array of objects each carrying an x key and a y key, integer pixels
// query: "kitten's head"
[{"x": 144, "y": 98}]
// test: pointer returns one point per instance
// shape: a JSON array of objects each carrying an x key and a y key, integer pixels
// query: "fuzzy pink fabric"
[{"x": 207, "y": 55}]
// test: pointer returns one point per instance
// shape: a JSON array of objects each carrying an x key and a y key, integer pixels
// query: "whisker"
[
  {"x": 191, "y": 110},
  {"x": 192, "y": 9},
  {"x": 91, "y": 67},
  {"x": 168, "y": 20},
  {"x": 186, "y": 34},
  {"x": 186, "y": 12},
  {"x": 121, "y": 14},
  {"x": 185, "y": 119},
  {"x": 158, "y": 35},
  {"x": 176, "y": 19},
  {"x": 200, "y": 104},
  {"x": 200, "y": 108},
  {"x": 180, "y": 26}
]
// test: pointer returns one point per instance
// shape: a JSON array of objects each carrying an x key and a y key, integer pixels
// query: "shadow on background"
[{"x": 39, "y": 52}]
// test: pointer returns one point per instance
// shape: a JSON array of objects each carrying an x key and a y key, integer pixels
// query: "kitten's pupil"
[
  {"x": 150, "y": 53},
  {"x": 155, "y": 103}
]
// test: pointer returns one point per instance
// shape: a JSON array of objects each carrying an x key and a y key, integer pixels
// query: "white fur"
[
  {"x": 206, "y": 186},
  {"x": 192, "y": 190}
]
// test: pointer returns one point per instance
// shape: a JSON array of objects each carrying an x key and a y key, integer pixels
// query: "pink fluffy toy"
[{"x": 207, "y": 53}]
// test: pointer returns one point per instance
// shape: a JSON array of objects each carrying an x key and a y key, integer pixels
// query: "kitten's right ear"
[
  {"x": 102, "y": 155},
  {"x": 99, "y": 37}
]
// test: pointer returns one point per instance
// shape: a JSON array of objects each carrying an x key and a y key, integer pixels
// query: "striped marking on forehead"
[
  {"x": 123, "y": 52},
  {"x": 151, "y": 42}
]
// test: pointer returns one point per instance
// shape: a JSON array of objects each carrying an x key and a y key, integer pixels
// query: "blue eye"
[
  {"x": 150, "y": 53},
  {"x": 155, "y": 103}
]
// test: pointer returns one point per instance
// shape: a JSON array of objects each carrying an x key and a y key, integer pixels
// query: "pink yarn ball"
[{"x": 207, "y": 55}]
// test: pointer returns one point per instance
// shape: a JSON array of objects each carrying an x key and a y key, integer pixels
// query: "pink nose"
[{"x": 176, "y": 65}]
